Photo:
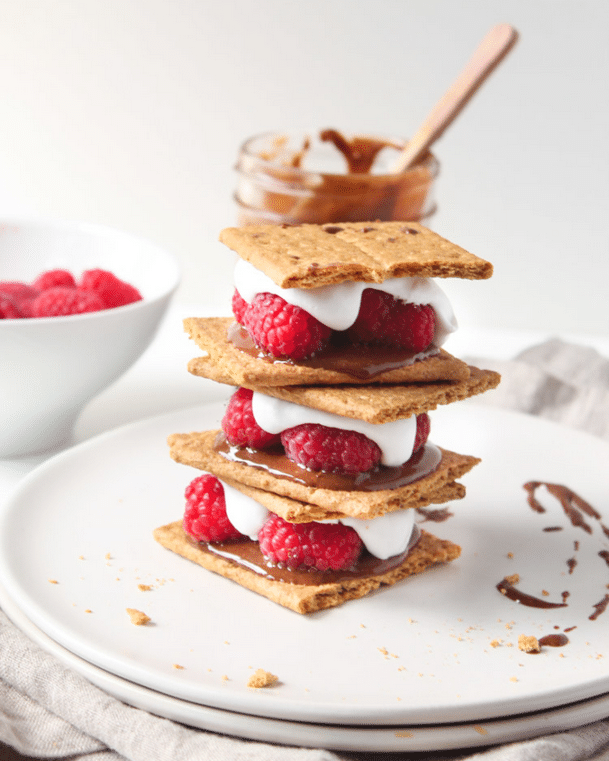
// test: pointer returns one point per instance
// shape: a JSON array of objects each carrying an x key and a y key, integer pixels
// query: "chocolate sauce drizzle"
[
  {"x": 517, "y": 595},
  {"x": 438, "y": 515},
  {"x": 422, "y": 463},
  {"x": 361, "y": 362},
  {"x": 577, "y": 511},
  {"x": 246, "y": 552}
]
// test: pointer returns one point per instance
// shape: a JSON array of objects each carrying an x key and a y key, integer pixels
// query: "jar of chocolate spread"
[{"x": 328, "y": 177}]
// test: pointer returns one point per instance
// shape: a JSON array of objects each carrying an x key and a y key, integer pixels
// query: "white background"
[{"x": 130, "y": 113}]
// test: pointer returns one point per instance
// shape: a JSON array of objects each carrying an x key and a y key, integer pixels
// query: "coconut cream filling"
[
  {"x": 395, "y": 439},
  {"x": 384, "y": 536},
  {"x": 337, "y": 306}
]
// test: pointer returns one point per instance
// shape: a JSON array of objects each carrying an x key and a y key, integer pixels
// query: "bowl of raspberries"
[{"x": 79, "y": 303}]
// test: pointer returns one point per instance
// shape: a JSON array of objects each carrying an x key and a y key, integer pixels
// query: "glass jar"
[{"x": 295, "y": 178}]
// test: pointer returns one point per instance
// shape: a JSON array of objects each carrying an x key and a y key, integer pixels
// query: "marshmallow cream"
[
  {"x": 384, "y": 536},
  {"x": 337, "y": 306},
  {"x": 395, "y": 439}
]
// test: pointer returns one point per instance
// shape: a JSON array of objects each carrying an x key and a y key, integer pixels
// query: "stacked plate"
[{"x": 432, "y": 663}]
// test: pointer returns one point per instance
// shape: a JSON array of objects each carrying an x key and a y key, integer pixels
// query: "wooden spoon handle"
[{"x": 489, "y": 53}]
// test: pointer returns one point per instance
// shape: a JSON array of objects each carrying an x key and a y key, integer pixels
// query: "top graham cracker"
[{"x": 310, "y": 256}]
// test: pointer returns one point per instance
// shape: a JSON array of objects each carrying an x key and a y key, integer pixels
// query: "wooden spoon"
[{"x": 497, "y": 43}]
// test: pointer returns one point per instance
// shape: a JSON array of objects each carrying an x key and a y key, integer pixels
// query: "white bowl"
[{"x": 51, "y": 367}]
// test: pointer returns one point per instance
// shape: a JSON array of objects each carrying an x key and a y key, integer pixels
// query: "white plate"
[
  {"x": 417, "y": 653},
  {"x": 409, "y": 738}
]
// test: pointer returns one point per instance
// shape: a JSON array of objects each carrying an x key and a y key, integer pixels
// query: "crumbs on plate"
[
  {"x": 261, "y": 678},
  {"x": 137, "y": 617}
]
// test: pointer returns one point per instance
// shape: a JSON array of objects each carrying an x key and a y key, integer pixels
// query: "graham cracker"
[
  {"x": 239, "y": 368},
  {"x": 308, "y": 598},
  {"x": 197, "y": 450},
  {"x": 294, "y": 511},
  {"x": 309, "y": 256},
  {"x": 380, "y": 403}
]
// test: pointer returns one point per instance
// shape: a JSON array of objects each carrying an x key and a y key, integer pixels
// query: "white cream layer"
[
  {"x": 337, "y": 306},
  {"x": 395, "y": 439},
  {"x": 383, "y": 537}
]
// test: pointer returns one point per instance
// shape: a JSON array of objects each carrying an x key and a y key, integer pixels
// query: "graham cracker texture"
[
  {"x": 309, "y": 256},
  {"x": 378, "y": 404},
  {"x": 305, "y": 598},
  {"x": 295, "y": 511},
  {"x": 197, "y": 450},
  {"x": 225, "y": 361}
]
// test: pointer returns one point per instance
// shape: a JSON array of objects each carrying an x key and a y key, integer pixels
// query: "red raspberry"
[
  {"x": 8, "y": 309},
  {"x": 61, "y": 301},
  {"x": 239, "y": 425},
  {"x": 53, "y": 278},
  {"x": 20, "y": 294},
  {"x": 205, "y": 518},
  {"x": 284, "y": 330},
  {"x": 333, "y": 450},
  {"x": 384, "y": 319},
  {"x": 239, "y": 306},
  {"x": 113, "y": 291},
  {"x": 325, "y": 546},
  {"x": 423, "y": 427}
]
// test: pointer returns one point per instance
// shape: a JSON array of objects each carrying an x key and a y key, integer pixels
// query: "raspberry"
[
  {"x": 61, "y": 301},
  {"x": 205, "y": 518},
  {"x": 423, "y": 427},
  {"x": 53, "y": 278},
  {"x": 20, "y": 294},
  {"x": 284, "y": 330},
  {"x": 325, "y": 546},
  {"x": 113, "y": 291},
  {"x": 8, "y": 309},
  {"x": 384, "y": 319},
  {"x": 239, "y": 306},
  {"x": 333, "y": 450},
  {"x": 239, "y": 424}
]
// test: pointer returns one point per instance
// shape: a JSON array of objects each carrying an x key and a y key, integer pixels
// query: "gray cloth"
[{"x": 48, "y": 711}]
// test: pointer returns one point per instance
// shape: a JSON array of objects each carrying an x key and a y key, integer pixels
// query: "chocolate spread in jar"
[
  {"x": 362, "y": 362},
  {"x": 275, "y": 187},
  {"x": 246, "y": 552},
  {"x": 274, "y": 461}
]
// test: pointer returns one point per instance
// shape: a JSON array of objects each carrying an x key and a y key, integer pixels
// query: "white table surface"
[{"x": 159, "y": 382}]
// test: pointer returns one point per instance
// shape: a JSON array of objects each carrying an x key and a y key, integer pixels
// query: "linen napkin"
[{"x": 49, "y": 711}]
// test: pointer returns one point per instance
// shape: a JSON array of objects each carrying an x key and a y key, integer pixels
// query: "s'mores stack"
[{"x": 310, "y": 489}]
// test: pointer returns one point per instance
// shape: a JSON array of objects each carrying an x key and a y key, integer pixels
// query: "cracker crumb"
[
  {"x": 88, "y": 610},
  {"x": 404, "y": 733},
  {"x": 81, "y": 557},
  {"x": 144, "y": 587},
  {"x": 480, "y": 730},
  {"x": 545, "y": 593},
  {"x": 225, "y": 678},
  {"x": 495, "y": 642},
  {"x": 513, "y": 679},
  {"x": 528, "y": 643},
  {"x": 53, "y": 581},
  {"x": 514, "y": 578},
  {"x": 261, "y": 678},
  {"x": 138, "y": 617},
  {"x": 178, "y": 667},
  {"x": 108, "y": 556},
  {"x": 510, "y": 555}
]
